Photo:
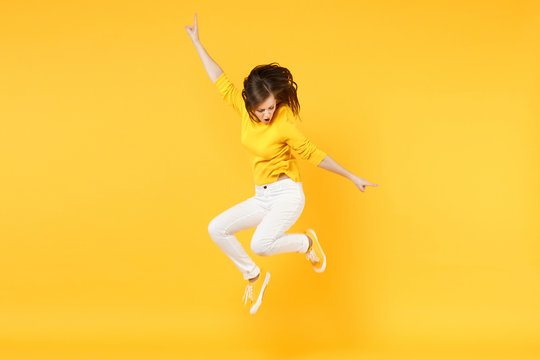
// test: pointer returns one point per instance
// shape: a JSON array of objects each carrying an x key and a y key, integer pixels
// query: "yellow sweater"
[{"x": 269, "y": 145}]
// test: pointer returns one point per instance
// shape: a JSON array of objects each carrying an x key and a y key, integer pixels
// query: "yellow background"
[{"x": 116, "y": 152}]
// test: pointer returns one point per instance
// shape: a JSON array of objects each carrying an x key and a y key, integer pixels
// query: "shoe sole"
[
  {"x": 257, "y": 304},
  {"x": 322, "y": 252}
]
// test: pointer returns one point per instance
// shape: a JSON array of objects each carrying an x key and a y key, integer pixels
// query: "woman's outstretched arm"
[
  {"x": 331, "y": 165},
  {"x": 211, "y": 67}
]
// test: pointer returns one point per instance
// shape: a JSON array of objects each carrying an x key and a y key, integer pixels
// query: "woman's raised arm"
[
  {"x": 211, "y": 67},
  {"x": 331, "y": 165}
]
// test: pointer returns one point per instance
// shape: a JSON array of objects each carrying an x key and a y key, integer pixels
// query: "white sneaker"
[
  {"x": 315, "y": 254},
  {"x": 254, "y": 292}
]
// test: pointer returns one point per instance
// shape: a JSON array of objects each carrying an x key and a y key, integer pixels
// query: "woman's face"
[{"x": 265, "y": 110}]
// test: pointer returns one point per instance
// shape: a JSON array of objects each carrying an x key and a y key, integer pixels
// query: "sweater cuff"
[{"x": 317, "y": 156}]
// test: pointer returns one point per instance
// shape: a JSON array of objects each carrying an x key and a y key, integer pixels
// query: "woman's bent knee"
[
  {"x": 260, "y": 248},
  {"x": 215, "y": 229}
]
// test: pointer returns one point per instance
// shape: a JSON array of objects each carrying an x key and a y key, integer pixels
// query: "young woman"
[{"x": 268, "y": 106}]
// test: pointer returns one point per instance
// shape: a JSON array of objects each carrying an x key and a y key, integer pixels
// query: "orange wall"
[{"x": 117, "y": 151}]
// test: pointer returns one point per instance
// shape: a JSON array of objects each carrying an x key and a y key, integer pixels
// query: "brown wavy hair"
[{"x": 268, "y": 79}]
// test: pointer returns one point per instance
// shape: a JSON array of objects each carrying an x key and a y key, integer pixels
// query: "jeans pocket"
[{"x": 289, "y": 192}]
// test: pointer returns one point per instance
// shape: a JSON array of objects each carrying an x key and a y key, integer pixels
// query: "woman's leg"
[
  {"x": 245, "y": 215},
  {"x": 286, "y": 204}
]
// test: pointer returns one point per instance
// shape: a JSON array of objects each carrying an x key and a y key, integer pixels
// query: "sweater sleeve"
[
  {"x": 230, "y": 93},
  {"x": 298, "y": 142}
]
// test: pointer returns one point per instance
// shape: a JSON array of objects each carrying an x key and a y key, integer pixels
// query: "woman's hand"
[
  {"x": 361, "y": 183},
  {"x": 193, "y": 31}
]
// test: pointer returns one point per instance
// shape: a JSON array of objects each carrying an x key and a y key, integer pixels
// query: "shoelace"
[
  {"x": 311, "y": 256},
  {"x": 248, "y": 293}
]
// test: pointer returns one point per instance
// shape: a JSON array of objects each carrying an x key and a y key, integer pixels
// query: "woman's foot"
[
  {"x": 315, "y": 254},
  {"x": 254, "y": 292}
]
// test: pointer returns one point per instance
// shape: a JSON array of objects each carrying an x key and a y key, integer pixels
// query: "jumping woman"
[{"x": 268, "y": 106}]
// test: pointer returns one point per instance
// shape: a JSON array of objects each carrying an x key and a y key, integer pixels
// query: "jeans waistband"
[{"x": 276, "y": 185}]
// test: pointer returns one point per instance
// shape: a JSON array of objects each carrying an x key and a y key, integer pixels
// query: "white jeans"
[{"x": 274, "y": 209}]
